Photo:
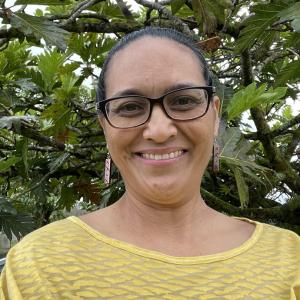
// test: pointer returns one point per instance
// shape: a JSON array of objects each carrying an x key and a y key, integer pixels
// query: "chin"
[{"x": 163, "y": 189}]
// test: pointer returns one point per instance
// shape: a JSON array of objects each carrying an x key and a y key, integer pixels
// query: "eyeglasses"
[{"x": 134, "y": 110}]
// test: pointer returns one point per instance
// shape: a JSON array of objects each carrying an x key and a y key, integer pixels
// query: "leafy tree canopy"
[{"x": 52, "y": 149}]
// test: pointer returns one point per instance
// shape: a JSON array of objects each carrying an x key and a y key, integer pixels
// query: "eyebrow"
[{"x": 136, "y": 92}]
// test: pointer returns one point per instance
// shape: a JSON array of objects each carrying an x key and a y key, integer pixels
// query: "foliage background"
[{"x": 52, "y": 149}]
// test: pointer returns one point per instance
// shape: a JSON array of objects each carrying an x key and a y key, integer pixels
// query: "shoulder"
[
  {"x": 50, "y": 238},
  {"x": 278, "y": 243},
  {"x": 281, "y": 235},
  {"x": 51, "y": 231},
  {"x": 45, "y": 260},
  {"x": 272, "y": 233},
  {"x": 273, "y": 242},
  {"x": 278, "y": 234}
]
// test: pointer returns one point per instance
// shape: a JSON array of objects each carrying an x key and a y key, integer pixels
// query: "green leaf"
[
  {"x": 251, "y": 96},
  {"x": 176, "y": 5},
  {"x": 6, "y": 98},
  {"x": 42, "y": 2},
  {"x": 68, "y": 87},
  {"x": 26, "y": 84},
  {"x": 39, "y": 13},
  {"x": 204, "y": 15},
  {"x": 242, "y": 187},
  {"x": 3, "y": 63},
  {"x": 108, "y": 8},
  {"x": 70, "y": 67},
  {"x": 67, "y": 198},
  {"x": 25, "y": 155},
  {"x": 60, "y": 114},
  {"x": 6, "y": 206},
  {"x": 107, "y": 43},
  {"x": 225, "y": 93},
  {"x": 255, "y": 25},
  {"x": 219, "y": 8},
  {"x": 19, "y": 225},
  {"x": 292, "y": 13},
  {"x": 184, "y": 12},
  {"x": 234, "y": 153},
  {"x": 208, "y": 12},
  {"x": 40, "y": 28},
  {"x": 77, "y": 44},
  {"x": 293, "y": 40},
  {"x": 287, "y": 112},
  {"x": 13, "y": 58},
  {"x": 49, "y": 64},
  {"x": 22, "y": 150},
  {"x": 54, "y": 165},
  {"x": 289, "y": 73},
  {"x": 9, "y": 122},
  {"x": 233, "y": 144},
  {"x": 36, "y": 77},
  {"x": 7, "y": 163},
  {"x": 264, "y": 45}
]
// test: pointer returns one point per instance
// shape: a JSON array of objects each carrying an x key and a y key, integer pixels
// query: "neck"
[{"x": 155, "y": 219}]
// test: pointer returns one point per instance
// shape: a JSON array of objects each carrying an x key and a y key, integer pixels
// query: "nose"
[{"x": 159, "y": 127}]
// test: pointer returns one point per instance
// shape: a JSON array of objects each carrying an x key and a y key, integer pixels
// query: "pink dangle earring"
[
  {"x": 107, "y": 170},
  {"x": 216, "y": 157}
]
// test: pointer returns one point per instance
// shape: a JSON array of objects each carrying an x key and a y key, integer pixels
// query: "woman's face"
[{"x": 153, "y": 66}]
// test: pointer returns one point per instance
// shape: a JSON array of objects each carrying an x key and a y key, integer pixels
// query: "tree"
[{"x": 52, "y": 149}]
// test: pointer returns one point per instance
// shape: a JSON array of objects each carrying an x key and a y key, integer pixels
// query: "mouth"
[{"x": 163, "y": 156}]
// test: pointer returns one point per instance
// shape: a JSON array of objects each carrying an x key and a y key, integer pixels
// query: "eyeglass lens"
[{"x": 133, "y": 111}]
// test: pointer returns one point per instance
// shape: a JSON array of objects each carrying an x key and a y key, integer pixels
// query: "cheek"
[
  {"x": 202, "y": 136},
  {"x": 202, "y": 131},
  {"x": 119, "y": 143}
]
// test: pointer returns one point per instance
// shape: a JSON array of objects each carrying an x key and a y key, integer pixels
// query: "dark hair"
[{"x": 167, "y": 33}]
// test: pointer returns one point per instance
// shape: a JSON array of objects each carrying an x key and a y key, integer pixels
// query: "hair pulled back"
[{"x": 167, "y": 33}]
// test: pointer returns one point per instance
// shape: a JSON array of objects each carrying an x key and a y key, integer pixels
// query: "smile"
[{"x": 171, "y": 155}]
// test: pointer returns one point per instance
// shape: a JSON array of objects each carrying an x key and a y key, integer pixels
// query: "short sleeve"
[
  {"x": 22, "y": 276},
  {"x": 8, "y": 286},
  {"x": 295, "y": 292}
]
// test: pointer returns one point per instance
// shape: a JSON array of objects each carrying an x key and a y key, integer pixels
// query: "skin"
[{"x": 162, "y": 208}]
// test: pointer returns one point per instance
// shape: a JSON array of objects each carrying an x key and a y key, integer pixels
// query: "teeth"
[
  {"x": 162, "y": 156},
  {"x": 165, "y": 156}
]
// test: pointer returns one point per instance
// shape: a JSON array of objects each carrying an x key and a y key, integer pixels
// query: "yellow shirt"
[{"x": 69, "y": 260}]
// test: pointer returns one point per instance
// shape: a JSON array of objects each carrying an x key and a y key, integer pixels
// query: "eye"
[
  {"x": 185, "y": 102},
  {"x": 128, "y": 107}
]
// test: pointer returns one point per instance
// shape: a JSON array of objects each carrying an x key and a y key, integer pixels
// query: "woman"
[{"x": 160, "y": 240}]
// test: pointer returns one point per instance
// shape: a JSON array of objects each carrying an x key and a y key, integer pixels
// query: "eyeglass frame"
[{"x": 211, "y": 90}]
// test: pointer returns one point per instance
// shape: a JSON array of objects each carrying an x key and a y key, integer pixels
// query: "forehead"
[{"x": 151, "y": 64}]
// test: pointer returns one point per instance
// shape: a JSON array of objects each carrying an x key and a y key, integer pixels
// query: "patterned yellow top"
[{"x": 70, "y": 260}]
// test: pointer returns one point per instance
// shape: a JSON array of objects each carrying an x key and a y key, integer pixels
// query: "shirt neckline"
[{"x": 168, "y": 258}]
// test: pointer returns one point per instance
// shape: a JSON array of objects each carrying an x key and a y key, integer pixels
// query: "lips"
[{"x": 161, "y": 156}]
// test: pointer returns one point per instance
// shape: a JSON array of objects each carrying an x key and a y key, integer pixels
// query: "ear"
[{"x": 216, "y": 106}]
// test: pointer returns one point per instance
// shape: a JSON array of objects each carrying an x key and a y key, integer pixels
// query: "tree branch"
[
  {"x": 290, "y": 151},
  {"x": 45, "y": 177},
  {"x": 281, "y": 130},
  {"x": 164, "y": 11},
  {"x": 125, "y": 10},
  {"x": 42, "y": 139},
  {"x": 279, "y": 213},
  {"x": 89, "y": 15},
  {"x": 102, "y": 27},
  {"x": 78, "y": 9},
  {"x": 276, "y": 159},
  {"x": 277, "y": 132}
]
